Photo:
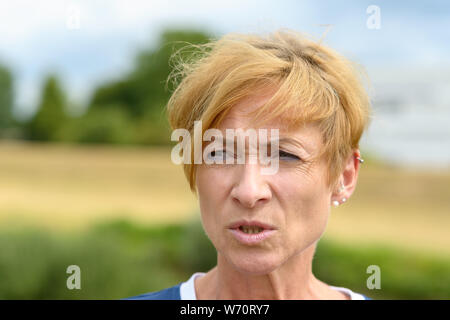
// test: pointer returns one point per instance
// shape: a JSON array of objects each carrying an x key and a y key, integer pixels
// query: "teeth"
[{"x": 250, "y": 230}]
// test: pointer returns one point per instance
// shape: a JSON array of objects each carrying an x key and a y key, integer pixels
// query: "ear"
[{"x": 347, "y": 179}]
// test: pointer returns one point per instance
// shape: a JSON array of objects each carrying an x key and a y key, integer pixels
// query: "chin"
[{"x": 255, "y": 263}]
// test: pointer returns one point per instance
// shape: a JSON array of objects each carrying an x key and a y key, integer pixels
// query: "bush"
[
  {"x": 120, "y": 259},
  {"x": 404, "y": 275}
]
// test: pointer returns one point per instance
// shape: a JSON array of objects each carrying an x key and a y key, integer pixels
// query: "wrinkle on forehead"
[{"x": 306, "y": 136}]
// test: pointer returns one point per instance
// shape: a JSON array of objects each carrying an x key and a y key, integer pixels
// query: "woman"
[{"x": 265, "y": 227}]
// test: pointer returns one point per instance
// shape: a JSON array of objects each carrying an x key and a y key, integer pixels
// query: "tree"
[
  {"x": 111, "y": 125},
  {"x": 142, "y": 93},
  {"x": 143, "y": 89},
  {"x": 153, "y": 68},
  {"x": 51, "y": 114},
  {"x": 6, "y": 97}
]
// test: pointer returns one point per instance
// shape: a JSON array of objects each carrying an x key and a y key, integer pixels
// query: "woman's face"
[{"x": 295, "y": 200}]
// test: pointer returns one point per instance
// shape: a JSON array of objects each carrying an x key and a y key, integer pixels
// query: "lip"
[
  {"x": 254, "y": 238},
  {"x": 250, "y": 239},
  {"x": 255, "y": 223}
]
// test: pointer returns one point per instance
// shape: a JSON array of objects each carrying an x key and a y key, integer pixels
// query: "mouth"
[
  {"x": 251, "y": 232},
  {"x": 251, "y": 229},
  {"x": 251, "y": 226}
]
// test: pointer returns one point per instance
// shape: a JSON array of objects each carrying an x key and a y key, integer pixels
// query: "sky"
[{"x": 87, "y": 42}]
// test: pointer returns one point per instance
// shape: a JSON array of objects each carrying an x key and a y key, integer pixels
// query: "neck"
[{"x": 293, "y": 280}]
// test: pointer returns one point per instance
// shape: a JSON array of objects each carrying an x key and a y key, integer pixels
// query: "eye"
[
  {"x": 216, "y": 154},
  {"x": 219, "y": 155},
  {"x": 287, "y": 156}
]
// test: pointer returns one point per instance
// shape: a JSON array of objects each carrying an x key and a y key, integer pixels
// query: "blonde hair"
[{"x": 313, "y": 82}]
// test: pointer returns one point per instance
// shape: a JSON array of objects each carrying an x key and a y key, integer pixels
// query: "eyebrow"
[
  {"x": 282, "y": 140},
  {"x": 294, "y": 142}
]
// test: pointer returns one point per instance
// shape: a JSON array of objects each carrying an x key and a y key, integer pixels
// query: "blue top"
[{"x": 172, "y": 293}]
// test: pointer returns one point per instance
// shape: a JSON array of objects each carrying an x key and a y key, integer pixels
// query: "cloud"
[{"x": 34, "y": 36}]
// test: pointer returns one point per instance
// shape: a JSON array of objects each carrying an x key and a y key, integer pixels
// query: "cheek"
[
  {"x": 211, "y": 176},
  {"x": 211, "y": 185},
  {"x": 299, "y": 191},
  {"x": 304, "y": 199}
]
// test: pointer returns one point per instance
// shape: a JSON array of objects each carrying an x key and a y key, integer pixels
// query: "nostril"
[
  {"x": 250, "y": 201},
  {"x": 244, "y": 202}
]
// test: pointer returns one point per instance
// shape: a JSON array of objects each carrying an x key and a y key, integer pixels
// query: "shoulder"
[{"x": 172, "y": 293}]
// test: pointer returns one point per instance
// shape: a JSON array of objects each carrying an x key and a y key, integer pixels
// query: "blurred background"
[{"x": 85, "y": 172}]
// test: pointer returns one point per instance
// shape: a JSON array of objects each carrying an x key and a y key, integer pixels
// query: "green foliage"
[
  {"x": 142, "y": 93},
  {"x": 127, "y": 110},
  {"x": 51, "y": 114},
  {"x": 6, "y": 97},
  {"x": 197, "y": 251},
  {"x": 111, "y": 125},
  {"x": 404, "y": 275},
  {"x": 152, "y": 129},
  {"x": 121, "y": 92},
  {"x": 114, "y": 264},
  {"x": 120, "y": 259}
]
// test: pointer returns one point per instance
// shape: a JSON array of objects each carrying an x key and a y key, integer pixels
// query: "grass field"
[{"x": 69, "y": 187}]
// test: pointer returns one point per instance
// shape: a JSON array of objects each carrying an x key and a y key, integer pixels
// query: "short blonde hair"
[{"x": 313, "y": 82}]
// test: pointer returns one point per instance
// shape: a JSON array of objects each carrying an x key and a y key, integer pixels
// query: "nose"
[{"x": 251, "y": 187}]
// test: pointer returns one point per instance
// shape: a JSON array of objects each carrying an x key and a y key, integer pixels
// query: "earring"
[
  {"x": 361, "y": 160},
  {"x": 335, "y": 203}
]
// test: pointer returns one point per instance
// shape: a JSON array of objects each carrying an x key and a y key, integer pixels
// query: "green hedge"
[{"x": 120, "y": 259}]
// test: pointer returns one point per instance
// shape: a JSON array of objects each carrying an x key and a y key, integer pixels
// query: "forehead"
[{"x": 308, "y": 135}]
